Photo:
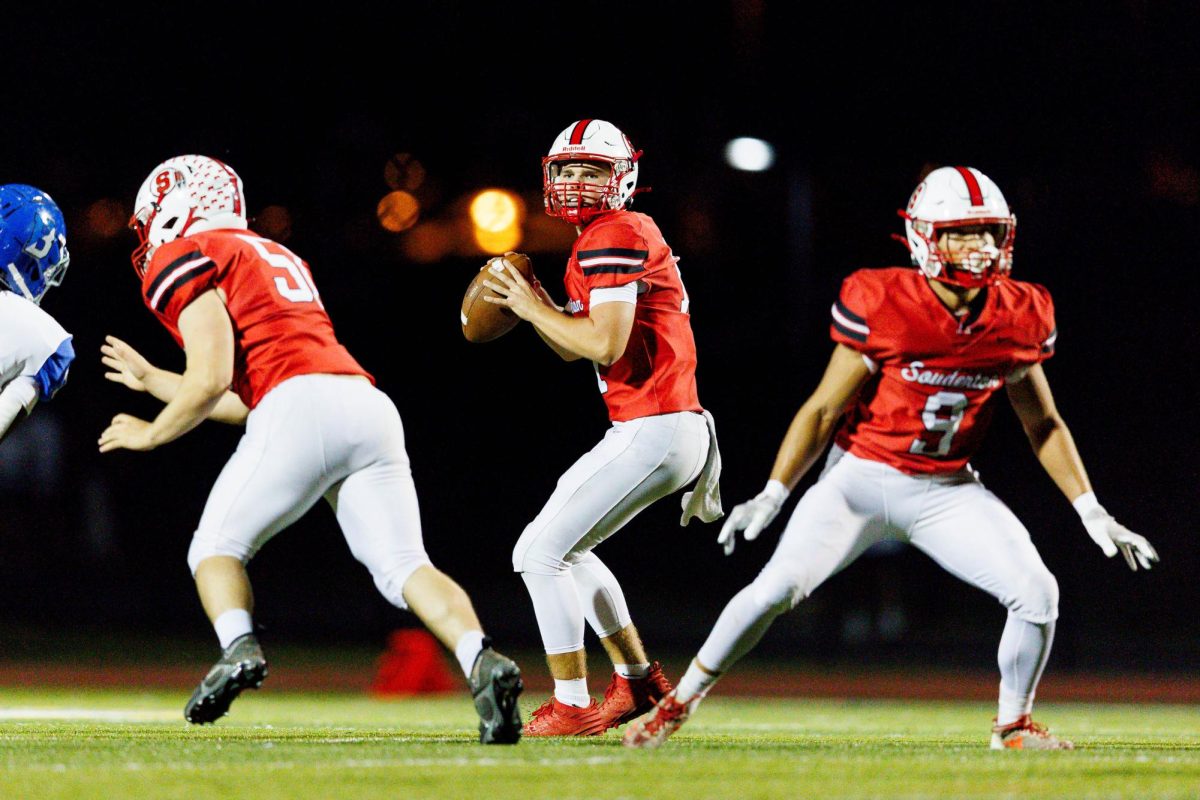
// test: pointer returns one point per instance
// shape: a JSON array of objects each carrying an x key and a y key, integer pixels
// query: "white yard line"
[{"x": 95, "y": 714}]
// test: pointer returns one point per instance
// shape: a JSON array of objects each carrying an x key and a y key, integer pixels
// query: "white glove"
[
  {"x": 753, "y": 515},
  {"x": 1112, "y": 535}
]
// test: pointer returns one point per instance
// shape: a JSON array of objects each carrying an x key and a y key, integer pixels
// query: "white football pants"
[
  {"x": 636, "y": 463},
  {"x": 953, "y": 518},
  {"x": 311, "y": 436}
]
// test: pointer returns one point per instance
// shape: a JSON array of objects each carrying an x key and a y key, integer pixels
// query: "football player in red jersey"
[
  {"x": 919, "y": 356},
  {"x": 248, "y": 316},
  {"x": 627, "y": 313}
]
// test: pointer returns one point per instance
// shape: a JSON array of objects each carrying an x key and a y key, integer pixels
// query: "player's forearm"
[
  {"x": 1055, "y": 449},
  {"x": 230, "y": 409},
  {"x": 162, "y": 384},
  {"x": 195, "y": 399},
  {"x": 806, "y": 439},
  {"x": 563, "y": 353},
  {"x": 578, "y": 336}
]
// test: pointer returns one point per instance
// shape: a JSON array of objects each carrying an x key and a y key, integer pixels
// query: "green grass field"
[{"x": 109, "y": 744}]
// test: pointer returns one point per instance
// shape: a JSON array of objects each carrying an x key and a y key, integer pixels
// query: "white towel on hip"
[{"x": 704, "y": 500}]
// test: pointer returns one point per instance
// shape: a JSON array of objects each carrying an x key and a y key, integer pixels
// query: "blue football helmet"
[{"x": 33, "y": 241}]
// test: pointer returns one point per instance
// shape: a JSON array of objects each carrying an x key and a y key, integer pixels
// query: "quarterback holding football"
[
  {"x": 627, "y": 313},
  {"x": 920, "y": 356}
]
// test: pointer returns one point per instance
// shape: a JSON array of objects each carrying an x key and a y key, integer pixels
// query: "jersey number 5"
[
  {"x": 300, "y": 289},
  {"x": 942, "y": 415}
]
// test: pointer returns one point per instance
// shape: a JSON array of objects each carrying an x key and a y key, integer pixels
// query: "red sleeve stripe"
[
  {"x": 580, "y": 127},
  {"x": 178, "y": 277},
  {"x": 972, "y": 185}
]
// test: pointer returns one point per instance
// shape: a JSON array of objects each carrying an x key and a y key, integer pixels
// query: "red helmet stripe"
[
  {"x": 580, "y": 127},
  {"x": 972, "y": 185}
]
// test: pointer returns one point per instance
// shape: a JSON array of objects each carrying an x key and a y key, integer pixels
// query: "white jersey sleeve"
[{"x": 33, "y": 345}]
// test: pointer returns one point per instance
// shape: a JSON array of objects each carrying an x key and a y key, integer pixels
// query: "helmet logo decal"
[
  {"x": 972, "y": 186},
  {"x": 163, "y": 182},
  {"x": 47, "y": 243}
]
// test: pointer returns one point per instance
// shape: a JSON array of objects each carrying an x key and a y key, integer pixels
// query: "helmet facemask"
[
  {"x": 986, "y": 261},
  {"x": 589, "y": 141},
  {"x": 580, "y": 202},
  {"x": 959, "y": 205}
]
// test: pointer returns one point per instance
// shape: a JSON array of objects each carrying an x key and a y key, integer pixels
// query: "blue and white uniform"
[{"x": 35, "y": 355}]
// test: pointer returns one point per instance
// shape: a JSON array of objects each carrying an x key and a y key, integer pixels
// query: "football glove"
[
  {"x": 753, "y": 515},
  {"x": 1111, "y": 535}
]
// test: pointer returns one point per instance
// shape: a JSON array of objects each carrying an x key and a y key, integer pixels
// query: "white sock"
[
  {"x": 632, "y": 671},
  {"x": 467, "y": 650},
  {"x": 695, "y": 681},
  {"x": 1024, "y": 650},
  {"x": 573, "y": 692},
  {"x": 231, "y": 624}
]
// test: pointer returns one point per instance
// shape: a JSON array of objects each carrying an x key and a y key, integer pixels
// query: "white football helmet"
[
  {"x": 590, "y": 140},
  {"x": 956, "y": 197},
  {"x": 184, "y": 195}
]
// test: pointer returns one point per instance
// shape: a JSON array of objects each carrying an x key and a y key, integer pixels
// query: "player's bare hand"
[
  {"x": 514, "y": 292},
  {"x": 127, "y": 365},
  {"x": 545, "y": 297},
  {"x": 126, "y": 432}
]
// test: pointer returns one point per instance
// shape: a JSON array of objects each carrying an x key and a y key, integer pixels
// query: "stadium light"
[
  {"x": 496, "y": 216},
  {"x": 495, "y": 210},
  {"x": 749, "y": 154}
]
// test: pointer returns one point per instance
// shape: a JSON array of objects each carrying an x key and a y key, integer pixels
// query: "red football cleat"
[
  {"x": 553, "y": 718},
  {"x": 1025, "y": 734},
  {"x": 626, "y": 699}
]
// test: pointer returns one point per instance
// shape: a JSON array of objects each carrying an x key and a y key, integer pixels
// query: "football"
[{"x": 483, "y": 321}]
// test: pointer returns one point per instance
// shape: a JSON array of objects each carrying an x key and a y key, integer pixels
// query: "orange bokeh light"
[
  {"x": 495, "y": 210},
  {"x": 274, "y": 222},
  {"x": 106, "y": 218},
  {"x": 398, "y": 211},
  {"x": 497, "y": 242},
  {"x": 426, "y": 243}
]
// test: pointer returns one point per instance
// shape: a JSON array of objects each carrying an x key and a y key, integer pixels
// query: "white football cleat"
[{"x": 663, "y": 720}]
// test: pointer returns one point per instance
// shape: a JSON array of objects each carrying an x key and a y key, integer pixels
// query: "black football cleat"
[
  {"x": 496, "y": 684},
  {"x": 242, "y": 666}
]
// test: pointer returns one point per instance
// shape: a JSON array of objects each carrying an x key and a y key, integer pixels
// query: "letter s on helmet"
[{"x": 184, "y": 195}]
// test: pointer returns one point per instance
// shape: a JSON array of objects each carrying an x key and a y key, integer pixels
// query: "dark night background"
[{"x": 1087, "y": 119}]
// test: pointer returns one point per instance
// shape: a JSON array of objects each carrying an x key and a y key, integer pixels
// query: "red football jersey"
[
  {"x": 928, "y": 406},
  {"x": 280, "y": 327},
  {"x": 657, "y": 372}
]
